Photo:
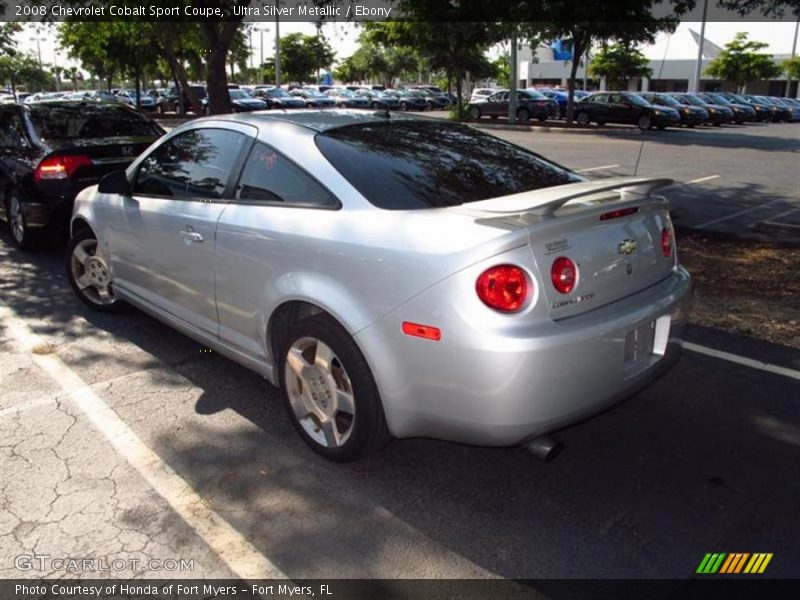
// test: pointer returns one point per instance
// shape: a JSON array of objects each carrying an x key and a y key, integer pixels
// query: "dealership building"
[{"x": 673, "y": 59}]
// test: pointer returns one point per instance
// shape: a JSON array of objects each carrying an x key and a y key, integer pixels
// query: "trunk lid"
[
  {"x": 610, "y": 229},
  {"x": 106, "y": 155}
]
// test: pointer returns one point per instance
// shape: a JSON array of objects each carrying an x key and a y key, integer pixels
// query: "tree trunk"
[
  {"x": 459, "y": 79},
  {"x": 218, "y": 38},
  {"x": 579, "y": 48}
]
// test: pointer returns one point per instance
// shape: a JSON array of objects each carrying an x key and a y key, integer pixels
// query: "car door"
[
  {"x": 260, "y": 241},
  {"x": 598, "y": 107},
  {"x": 161, "y": 237},
  {"x": 620, "y": 109}
]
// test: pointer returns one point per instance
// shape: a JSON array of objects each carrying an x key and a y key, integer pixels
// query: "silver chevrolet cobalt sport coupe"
[{"x": 396, "y": 276}]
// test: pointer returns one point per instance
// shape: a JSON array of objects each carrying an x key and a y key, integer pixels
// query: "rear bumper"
[
  {"x": 498, "y": 388},
  {"x": 42, "y": 214}
]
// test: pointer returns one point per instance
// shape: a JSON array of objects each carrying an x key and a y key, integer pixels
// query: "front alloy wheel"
[
  {"x": 329, "y": 391},
  {"x": 644, "y": 122},
  {"x": 88, "y": 273},
  {"x": 475, "y": 113},
  {"x": 583, "y": 119}
]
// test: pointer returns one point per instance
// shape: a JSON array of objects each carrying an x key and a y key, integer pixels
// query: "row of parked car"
[
  {"x": 646, "y": 110},
  {"x": 263, "y": 97}
]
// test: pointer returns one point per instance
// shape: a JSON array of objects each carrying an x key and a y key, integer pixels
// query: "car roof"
[{"x": 324, "y": 120}]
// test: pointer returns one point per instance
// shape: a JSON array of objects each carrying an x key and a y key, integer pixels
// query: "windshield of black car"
[
  {"x": 695, "y": 100},
  {"x": 669, "y": 100},
  {"x": 238, "y": 94},
  {"x": 279, "y": 94},
  {"x": 637, "y": 100},
  {"x": 64, "y": 122},
  {"x": 420, "y": 164}
]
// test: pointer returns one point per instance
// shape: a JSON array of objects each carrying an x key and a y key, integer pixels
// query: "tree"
[
  {"x": 7, "y": 32},
  {"x": 302, "y": 55},
  {"x": 349, "y": 70},
  {"x": 382, "y": 62},
  {"x": 740, "y": 61},
  {"x": 618, "y": 63},
  {"x": 624, "y": 21},
  {"x": 441, "y": 41},
  {"x": 792, "y": 68},
  {"x": 20, "y": 69},
  {"x": 769, "y": 8}
]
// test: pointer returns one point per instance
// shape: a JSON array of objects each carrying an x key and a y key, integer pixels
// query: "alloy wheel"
[
  {"x": 320, "y": 392},
  {"x": 91, "y": 274}
]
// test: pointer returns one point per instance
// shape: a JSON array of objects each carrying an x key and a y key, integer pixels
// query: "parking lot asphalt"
[
  {"x": 703, "y": 460},
  {"x": 741, "y": 180}
]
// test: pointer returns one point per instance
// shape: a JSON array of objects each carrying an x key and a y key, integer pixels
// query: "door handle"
[{"x": 190, "y": 236}]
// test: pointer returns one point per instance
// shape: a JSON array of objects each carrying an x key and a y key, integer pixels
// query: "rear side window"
[
  {"x": 268, "y": 176},
  {"x": 423, "y": 164},
  {"x": 90, "y": 121}
]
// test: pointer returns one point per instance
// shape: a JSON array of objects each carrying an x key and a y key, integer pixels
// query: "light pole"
[
  {"x": 794, "y": 53},
  {"x": 277, "y": 45},
  {"x": 261, "y": 31},
  {"x": 56, "y": 71},
  {"x": 699, "y": 66}
]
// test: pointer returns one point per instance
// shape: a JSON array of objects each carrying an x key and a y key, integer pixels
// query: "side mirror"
[{"x": 115, "y": 182}]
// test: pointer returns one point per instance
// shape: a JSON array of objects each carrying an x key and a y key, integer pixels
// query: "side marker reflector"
[{"x": 424, "y": 331}]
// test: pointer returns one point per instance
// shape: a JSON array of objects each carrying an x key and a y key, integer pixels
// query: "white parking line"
[
  {"x": 596, "y": 168},
  {"x": 736, "y": 214},
  {"x": 234, "y": 550},
  {"x": 743, "y": 360},
  {"x": 700, "y": 180}
]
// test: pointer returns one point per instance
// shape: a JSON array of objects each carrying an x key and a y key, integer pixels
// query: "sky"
[{"x": 342, "y": 37}]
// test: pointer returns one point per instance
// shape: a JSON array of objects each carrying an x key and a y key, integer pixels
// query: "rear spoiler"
[{"x": 547, "y": 201}]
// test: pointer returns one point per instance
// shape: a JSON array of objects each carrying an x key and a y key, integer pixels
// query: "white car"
[{"x": 481, "y": 93}]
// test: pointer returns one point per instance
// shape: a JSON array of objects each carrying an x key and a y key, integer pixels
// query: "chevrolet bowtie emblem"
[{"x": 627, "y": 247}]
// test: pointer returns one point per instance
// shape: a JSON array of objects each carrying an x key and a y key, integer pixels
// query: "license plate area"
[
  {"x": 645, "y": 345},
  {"x": 639, "y": 342}
]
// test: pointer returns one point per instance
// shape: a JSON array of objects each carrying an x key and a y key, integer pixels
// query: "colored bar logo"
[{"x": 734, "y": 563}]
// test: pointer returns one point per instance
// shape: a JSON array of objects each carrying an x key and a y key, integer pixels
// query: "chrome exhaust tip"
[{"x": 544, "y": 448}]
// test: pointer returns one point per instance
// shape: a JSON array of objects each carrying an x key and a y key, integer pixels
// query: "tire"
[
  {"x": 95, "y": 269},
  {"x": 337, "y": 434},
  {"x": 523, "y": 115},
  {"x": 23, "y": 236},
  {"x": 601, "y": 123},
  {"x": 583, "y": 119},
  {"x": 475, "y": 113},
  {"x": 403, "y": 106},
  {"x": 494, "y": 117},
  {"x": 661, "y": 127},
  {"x": 161, "y": 109},
  {"x": 644, "y": 123},
  {"x": 542, "y": 118},
  {"x": 740, "y": 122}
]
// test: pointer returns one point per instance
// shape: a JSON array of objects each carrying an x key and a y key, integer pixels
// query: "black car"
[
  {"x": 625, "y": 107},
  {"x": 777, "y": 113},
  {"x": 741, "y": 112},
  {"x": 50, "y": 151},
  {"x": 314, "y": 98},
  {"x": 690, "y": 115},
  {"x": 530, "y": 104},
  {"x": 169, "y": 102},
  {"x": 279, "y": 98},
  {"x": 380, "y": 100},
  {"x": 241, "y": 101},
  {"x": 408, "y": 101},
  {"x": 717, "y": 114}
]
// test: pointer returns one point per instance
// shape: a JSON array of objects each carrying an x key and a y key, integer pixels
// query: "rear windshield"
[
  {"x": 87, "y": 121},
  {"x": 421, "y": 164}
]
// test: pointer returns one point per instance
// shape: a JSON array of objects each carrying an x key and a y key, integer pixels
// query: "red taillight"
[
  {"x": 666, "y": 242},
  {"x": 620, "y": 212},
  {"x": 60, "y": 167},
  {"x": 424, "y": 331},
  {"x": 564, "y": 274},
  {"x": 504, "y": 288}
]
